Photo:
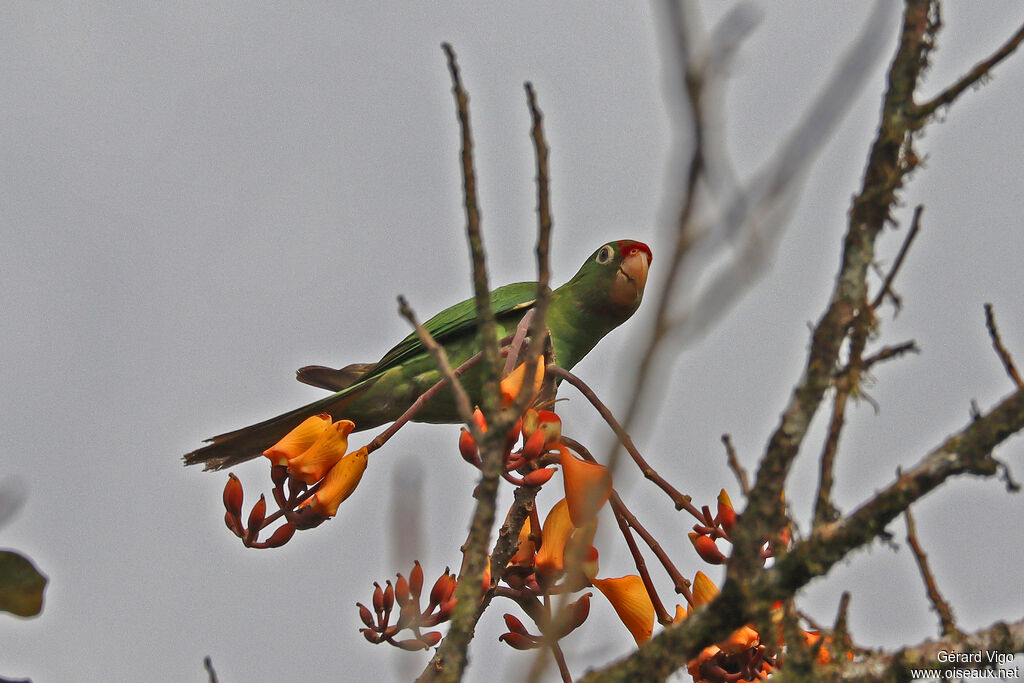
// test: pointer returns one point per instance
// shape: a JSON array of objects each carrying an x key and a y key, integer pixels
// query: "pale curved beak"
[{"x": 634, "y": 267}]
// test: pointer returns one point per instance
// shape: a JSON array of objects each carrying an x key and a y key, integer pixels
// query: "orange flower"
[
  {"x": 741, "y": 648},
  {"x": 825, "y": 651},
  {"x": 298, "y": 440},
  {"x": 704, "y": 590},
  {"x": 557, "y": 528},
  {"x": 681, "y": 614},
  {"x": 527, "y": 548},
  {"x": 743, "y": 638},
  {"x": 339, "y": 483},
  {"x": 632, "y": 603},
  {"x": 513, "y": 384},
  {"x": 313, "y": 464},
  {"x": 587, "y": 486}
]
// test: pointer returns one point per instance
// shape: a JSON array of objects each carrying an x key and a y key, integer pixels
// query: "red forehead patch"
[{"x": 629, "y": 247}]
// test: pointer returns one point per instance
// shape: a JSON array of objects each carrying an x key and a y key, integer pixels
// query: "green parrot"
[{"x": 602, "y": 295}]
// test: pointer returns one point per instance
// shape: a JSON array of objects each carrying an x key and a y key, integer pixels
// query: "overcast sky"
[{"x": 196, "y": 199}]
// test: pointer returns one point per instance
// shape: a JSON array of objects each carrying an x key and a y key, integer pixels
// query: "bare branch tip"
[{"x": 1001, "y": 350}]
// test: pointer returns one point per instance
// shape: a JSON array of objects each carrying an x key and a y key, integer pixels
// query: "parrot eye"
[{"x": 605, "y": 255}]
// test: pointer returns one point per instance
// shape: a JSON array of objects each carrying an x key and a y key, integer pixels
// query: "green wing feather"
[{"x": 456, "y": 320}]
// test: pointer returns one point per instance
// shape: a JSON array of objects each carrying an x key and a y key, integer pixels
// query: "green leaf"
[{"x": 21, "y": 585}]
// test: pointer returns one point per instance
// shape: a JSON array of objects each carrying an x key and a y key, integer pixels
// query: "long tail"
[{"x": 232, "y": 448}]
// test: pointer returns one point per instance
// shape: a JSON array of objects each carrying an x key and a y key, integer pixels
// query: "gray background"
[{"x": 198, "y": 198}]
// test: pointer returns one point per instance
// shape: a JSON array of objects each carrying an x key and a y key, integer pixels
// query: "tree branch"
[
  {"x": 997, "y": 342},
  {"x": 980, "y": 71},
  {"x": 948, "y": 625}
]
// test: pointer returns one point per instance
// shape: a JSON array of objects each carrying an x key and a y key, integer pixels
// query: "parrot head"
[
  {"x": 631, "y": 260},
  {"x": 611, "y": 282}
]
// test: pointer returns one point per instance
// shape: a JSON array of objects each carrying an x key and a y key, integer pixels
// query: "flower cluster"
[
  {"x": 312, "y": 474},
  {"x": 744, "y": 656},
  {"x": 739, "y": 658},
  {"x": 405, "y": 594}
]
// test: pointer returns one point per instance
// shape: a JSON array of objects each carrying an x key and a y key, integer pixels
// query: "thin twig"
[
  {"x": 735, "y": 466},
  {"x": 538, "y": 331},
  {"x": 824, "y": 510},
  {"x": 887, "y": 352},
  {"x": 980, "y": 71},
  {"x": 418, "y": 404},
  {"x": 947, "y": 624},
  {"x": 515, "y": 348},
  {"x": 997, "y": 342},
  {"x": 481, "y": 289},
  {"x": 449, "y": 663},
  {"x": 210, "y": 671},
  {"x": 462, "y": 402},
  {"x": 915, "y": 226},
  {"x": 563, "y": 668}
]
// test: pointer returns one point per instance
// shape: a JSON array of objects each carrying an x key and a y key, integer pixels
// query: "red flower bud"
[
  {"x": 401, "y": 590},
  {"x": 416, "y": 580},
  {"x": 233, "y": 496},
  {"x": 431, "y": 638},
  {"x": 389, "y": 597},
  {"x": 478, "y": 417},
  {"x": 451, "y": 583},
  {"x": 580, "y": 612},
  {"x": 378, "y": 598},
  {"x": 366, "y": 616},
  {"x": 534, "y": 445},
  {"x": 439, "y": 592},
  {"x": 726, "y": 514},
  {"x": 468, "y": 449},
  {"x": 707, "y": 549},
  {"x": 519, "y": 641},
  {"x": 538, "y": 477},
  {"x": 514, "y": 625},
  {"x": 281, "y": 535},
  {"x": 256, "y": 517}
]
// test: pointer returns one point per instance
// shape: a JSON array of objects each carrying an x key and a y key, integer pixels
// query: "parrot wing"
[{"x": 449, "y": 324}]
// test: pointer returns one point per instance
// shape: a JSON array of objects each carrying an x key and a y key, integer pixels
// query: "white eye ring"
[{"x": 605, "y": 255}]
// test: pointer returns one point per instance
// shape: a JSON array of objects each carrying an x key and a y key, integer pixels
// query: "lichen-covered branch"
[
  {"x": 890, "y": 159},
  {"x": 967, "y": 452}
]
